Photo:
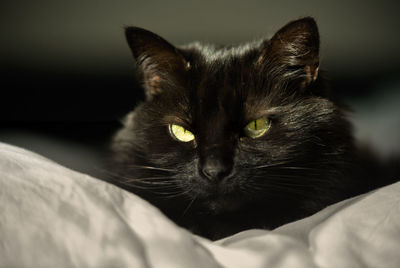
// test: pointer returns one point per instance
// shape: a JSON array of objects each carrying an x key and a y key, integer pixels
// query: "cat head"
[{"x": 233, "y": 126}]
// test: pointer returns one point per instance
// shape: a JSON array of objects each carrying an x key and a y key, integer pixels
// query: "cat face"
[{"x": 229, "y": 129}]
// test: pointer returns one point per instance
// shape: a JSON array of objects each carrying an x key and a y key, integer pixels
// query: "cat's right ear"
[
  {"x": 293, "y": 53},
  {"x": 158, "y": 61}
]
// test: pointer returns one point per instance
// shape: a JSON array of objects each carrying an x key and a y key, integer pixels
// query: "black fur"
[{"x": 306, "y": 161}]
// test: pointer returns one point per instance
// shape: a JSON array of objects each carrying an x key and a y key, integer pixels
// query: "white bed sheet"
[{"x": 51, "y": 216}]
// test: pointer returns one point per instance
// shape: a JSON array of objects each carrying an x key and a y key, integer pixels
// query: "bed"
[{"x": 52, "y": 216}]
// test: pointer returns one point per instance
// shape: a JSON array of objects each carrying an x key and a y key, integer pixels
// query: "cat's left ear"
[
  {"x": 294, "y": 51},
  {"x": 158, "y": 61}
]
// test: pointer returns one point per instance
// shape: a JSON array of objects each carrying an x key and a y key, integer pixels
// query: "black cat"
[{"x": 232, "y": 138}]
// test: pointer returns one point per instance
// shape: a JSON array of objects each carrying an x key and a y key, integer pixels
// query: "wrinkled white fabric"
[{"x": 51, "y": 216}]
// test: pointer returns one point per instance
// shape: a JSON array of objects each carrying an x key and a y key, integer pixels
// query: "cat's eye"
[
  {"x": 180, "y": 133},
  {"x": 257, "y": 128}
]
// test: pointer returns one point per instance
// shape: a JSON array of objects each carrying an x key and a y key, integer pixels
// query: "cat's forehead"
[
  {"x": 224, "y": 83},
  {"x": 225, "y": 96},
  {"x": 231, "y": 85}
]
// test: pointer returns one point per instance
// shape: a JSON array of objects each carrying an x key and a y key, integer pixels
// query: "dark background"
[{"x": 67, "y": 75}]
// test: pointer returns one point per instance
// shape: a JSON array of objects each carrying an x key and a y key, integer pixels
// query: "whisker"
[
  {"x": 152, "y": 168},
  {"x": 161, "y": 190},
  {"x": 152, "y": 186},
  {"x": 277, "y": 190},
  {"x": 174, "y": 195},
  {"x": 269, "y": 165},
  {"x": 286, "y": 184},
  {"x": 288, "y": 179},
  {"x": 164, "y": 186},
  {"x": 188, "y": 206},
  {"x": 150, "y": 180},
  {"x": 296, "y": 168}
]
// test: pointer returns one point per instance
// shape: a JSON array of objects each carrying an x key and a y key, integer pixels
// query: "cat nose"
[{"x": 216, "y": 169}]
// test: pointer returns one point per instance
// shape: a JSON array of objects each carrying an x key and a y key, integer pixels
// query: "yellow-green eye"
[
  {"x": 180, "y": 133},
  {"x": 257, "y": 128}
]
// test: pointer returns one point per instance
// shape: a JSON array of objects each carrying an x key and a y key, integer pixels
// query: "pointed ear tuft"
[
  {"x": 158, "y": 61},
  {"x": 295, "y": 48}
]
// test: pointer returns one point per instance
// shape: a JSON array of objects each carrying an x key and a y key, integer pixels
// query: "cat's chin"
[
  {"x": 223, "y": 204},
  {"x": 218, "y": 199}
]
